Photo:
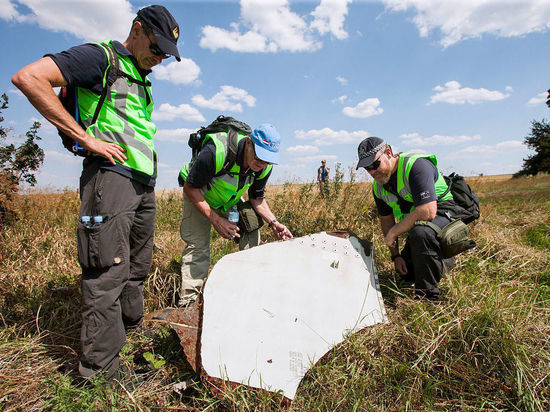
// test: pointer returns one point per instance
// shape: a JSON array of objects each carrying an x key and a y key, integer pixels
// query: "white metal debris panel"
[{"x": 272, "y": 311}]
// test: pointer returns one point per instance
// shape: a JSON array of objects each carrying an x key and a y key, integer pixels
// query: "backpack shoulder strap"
[
  {"x": 449, "y": 182},
  {"x": 232, "y": 147},
  {"x": 111, "y": 74}
]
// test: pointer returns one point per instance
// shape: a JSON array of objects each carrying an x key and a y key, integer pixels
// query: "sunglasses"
[
  {"x": 374, "y": 164},
  {"x": 156, "y": 50}
]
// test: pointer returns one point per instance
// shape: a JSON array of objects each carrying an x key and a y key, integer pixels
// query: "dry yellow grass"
[{"x": 484, "y": 347}]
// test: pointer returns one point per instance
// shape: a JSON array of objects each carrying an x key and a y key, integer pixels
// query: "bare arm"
[
  {"x": 280, "y": 230},
  {"x": 36, "y": 81},
  {"x": 387, "y": 223},
  {"x": 222, "y": 225},
  {"x": 426, "y": 211}
]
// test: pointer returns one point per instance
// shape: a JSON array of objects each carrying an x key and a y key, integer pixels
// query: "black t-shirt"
[
  {"x": 422, "y": 178},
  {"x": 203, "y": 170},
  {"x": 84, "y": 66}
]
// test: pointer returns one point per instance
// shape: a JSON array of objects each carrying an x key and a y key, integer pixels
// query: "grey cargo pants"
[{"x": 115, "y": 258}]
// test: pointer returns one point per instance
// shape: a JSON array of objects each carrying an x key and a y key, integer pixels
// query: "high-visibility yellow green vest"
[
  {"x": 225, "y": 190},
  {"x": 404, "y": 165},
  {"x": 124, "y": 118}
]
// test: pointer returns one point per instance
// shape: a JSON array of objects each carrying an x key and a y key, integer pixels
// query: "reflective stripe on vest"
[
  {"x": 124, "y": 118},
  {"x": 404, "y": 165},
  {"x": 225, "y": 190}
]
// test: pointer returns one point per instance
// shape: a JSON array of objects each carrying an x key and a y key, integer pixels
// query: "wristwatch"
[{"x": 270, "y": 224}]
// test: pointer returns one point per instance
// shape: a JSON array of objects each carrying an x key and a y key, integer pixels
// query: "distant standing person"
[
  {"x": 118, "y": 176},
  {"x": 322, "y": 176},
  {"x": 406, "y": 188}
]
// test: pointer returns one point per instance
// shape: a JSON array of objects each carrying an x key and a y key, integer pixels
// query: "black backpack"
[
  {"x": 68, "y": 95},
  {"x": 222, "y": 124},
  {"x": 463, "y": 195}
]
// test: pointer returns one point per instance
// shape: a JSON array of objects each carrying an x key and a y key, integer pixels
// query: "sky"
[{"x": 461, "y": 79}]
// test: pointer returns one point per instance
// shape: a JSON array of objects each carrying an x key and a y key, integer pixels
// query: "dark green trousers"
[{"x": 115, "y": 258}]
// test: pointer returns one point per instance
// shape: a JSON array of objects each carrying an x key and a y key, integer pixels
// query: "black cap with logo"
[
  {"x": 367, "y": 150},
  {"x": 164, "y": 26}
]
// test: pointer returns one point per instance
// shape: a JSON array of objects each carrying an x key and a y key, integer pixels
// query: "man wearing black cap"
[
  {"x": 406, "y": 190},
  {"x": 119, "y": 171}
]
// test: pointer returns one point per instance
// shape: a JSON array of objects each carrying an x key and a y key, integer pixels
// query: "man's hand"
[
  {"x": 400, "y": 266},
  {"x": 225, "y": 228},
  {"x": 281, "y": 231},
  {"x": 109, "y": 150},
  {"x": 391, "y": 238}
]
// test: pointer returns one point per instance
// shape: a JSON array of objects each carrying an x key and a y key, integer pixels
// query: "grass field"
[{"x": 486, "y": 346}]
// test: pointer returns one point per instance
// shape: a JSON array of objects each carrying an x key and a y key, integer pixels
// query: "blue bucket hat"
[{"x": 266, "y": 143}]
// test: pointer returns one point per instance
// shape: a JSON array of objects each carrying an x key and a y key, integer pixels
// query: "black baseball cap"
[
  {"x": 367, "y": 150},
  {"x": 164, "y": 27}
]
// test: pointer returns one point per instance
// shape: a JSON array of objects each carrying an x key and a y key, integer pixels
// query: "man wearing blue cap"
[
  {"x": 208, "y": 196},
  {"x": 114, "y": 127}
]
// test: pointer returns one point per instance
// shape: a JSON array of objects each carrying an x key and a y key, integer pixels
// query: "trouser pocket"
[{"x": 100, "y": 247}]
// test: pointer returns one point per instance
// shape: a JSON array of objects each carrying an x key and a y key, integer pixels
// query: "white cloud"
[
  {"x": 8, "y": 10},
  {"x": 303, "y": 149},
  {"x": 328, "y": 137},
  {"x": 454, "y": 93},
  {"x": 458, "y": 20},
  {"x": 316, "y": 158},
  {"x": 490, "y": 150},
  {"x": 184, "y": 72},
  {"x": 163, "y": 165},
  {"x": 342, "y": 80},
  {"x": 367, "y": 108},
  {"x": 63, "y": 158},
  {"x": 415, "y": 139},
  {"x": 330, "y": 16},
  {"x": 174, "y": 135},
  {"x": 270, "y": 26},
  {"x": 184, "y": 111},
  {"x": 538, "y": 99},
  {"x": 228, "y": 99},
  {"x": 340, "y": 99},
  {"x": 17, "y": 92},
  {"x": 511, "y": 144},
  {"x": 90, "y": 20}
]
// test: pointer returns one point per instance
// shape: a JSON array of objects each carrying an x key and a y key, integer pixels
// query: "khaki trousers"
[{"x": 195, "y": 259}]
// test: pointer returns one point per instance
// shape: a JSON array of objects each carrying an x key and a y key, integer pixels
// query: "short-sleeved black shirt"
[
  {"x": 203, "y": 170},
  {"x": 422, "y": 178},
  {"x": 84, "y": 66}
]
